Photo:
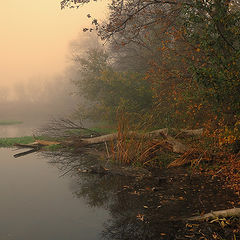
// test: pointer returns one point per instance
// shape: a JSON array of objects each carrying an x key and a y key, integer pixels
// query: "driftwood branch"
[
  {"x": 20, "y": 145},
  {"x": 215, "y": 214},
  {"x": 25, "y": 153}
]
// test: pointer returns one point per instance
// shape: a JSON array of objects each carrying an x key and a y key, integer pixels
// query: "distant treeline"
[{"x": 37, "y": 99}]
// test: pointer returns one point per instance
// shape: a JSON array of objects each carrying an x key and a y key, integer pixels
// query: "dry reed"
[{"x": 132, "y": 147}]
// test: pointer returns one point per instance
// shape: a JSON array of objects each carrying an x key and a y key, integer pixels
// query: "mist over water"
[
  {"x": 37, "y": 100},
  {"x": 40, "y": 98}
]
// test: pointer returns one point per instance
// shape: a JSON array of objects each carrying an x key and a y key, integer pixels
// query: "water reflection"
[
  {"x": 144, "y": 209},
  {"x": 36, "y": 204},
  {"x": 129, "y": 218},
  {"x": 133, "y": 215}
]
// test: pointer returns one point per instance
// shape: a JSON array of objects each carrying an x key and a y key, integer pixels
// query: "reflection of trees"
[
  {"x": 124, "y": 223},
  {"x": 125, "y": 207},
  {"x": 99, "y": 191},
  {"x": 104, "y": 191},
  {"x": 130, "y": 220},
  {"x": 128, "y": 228},
  {"x": 108, "y": 191},
  {"x": 144, "y": 209}
]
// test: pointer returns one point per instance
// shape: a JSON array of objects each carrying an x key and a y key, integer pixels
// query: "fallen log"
[
  {"x": 31, "y": 145},
  {"x": 177, "y": 146},
  {"x": 159, "y": 132},
  {"x": 101, "y": 139},
  {"x": 215, "y": 214},
  {"x": 130, "y": 134},
  {"x": 37, "y": 145},
  {"x": 46, "y": 143}
]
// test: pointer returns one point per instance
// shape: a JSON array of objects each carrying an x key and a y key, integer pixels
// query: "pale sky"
[{"x": 35, "y": 37}]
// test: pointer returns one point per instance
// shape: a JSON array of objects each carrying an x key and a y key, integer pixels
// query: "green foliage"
[
  {"x": 89, "y": 78},
  {"x": 111, "y": 90},
  {"x": 9, "y": 142},
  {"x": 214, "y": 30}
]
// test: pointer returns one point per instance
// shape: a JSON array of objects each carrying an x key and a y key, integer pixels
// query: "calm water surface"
[{"x": 36, "y": 203}]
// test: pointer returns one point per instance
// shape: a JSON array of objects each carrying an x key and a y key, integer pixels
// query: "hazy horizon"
[{"x": 35, "y": 47}]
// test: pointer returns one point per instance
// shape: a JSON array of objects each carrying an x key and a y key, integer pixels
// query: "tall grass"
[{"x": 133, "y": 146}]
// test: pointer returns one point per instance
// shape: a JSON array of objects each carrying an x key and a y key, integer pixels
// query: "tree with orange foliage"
[{"x": 194, "y": 70}]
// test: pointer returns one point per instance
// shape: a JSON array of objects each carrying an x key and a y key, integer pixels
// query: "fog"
[
  {"x": 35, "y": 46},
  {"x": 37, "y": 99}
]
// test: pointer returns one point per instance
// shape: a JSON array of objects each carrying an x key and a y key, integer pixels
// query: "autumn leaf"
[{"x": 140, "y": 217}]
